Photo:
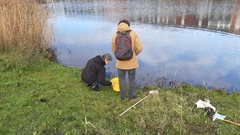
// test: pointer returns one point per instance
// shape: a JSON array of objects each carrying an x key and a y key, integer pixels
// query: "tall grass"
[{"x": 24, "y": 28}]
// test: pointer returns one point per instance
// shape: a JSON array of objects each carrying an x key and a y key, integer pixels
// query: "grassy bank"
[
  {"x": 47, "y": 98},
  {"x": 40, "y": 97},
  {"x": 24, "y": 29}
]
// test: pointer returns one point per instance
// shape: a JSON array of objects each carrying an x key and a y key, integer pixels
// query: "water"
[{"x": 193, "y": 41}]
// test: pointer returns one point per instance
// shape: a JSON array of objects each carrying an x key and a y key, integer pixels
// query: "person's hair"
[
  {"x": 107, "y": 56},
  {"x": 124, "y": 21}
]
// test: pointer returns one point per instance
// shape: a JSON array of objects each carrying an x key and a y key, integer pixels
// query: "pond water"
[{"x": 192, "y": 41}]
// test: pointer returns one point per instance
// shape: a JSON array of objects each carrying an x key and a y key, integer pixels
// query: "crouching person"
[{"x": 94, "y": 72}]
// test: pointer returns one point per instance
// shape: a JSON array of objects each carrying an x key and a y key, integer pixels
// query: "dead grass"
[{"x": 24, "y": 27}]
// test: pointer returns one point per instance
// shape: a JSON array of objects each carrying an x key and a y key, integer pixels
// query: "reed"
[{"x": 24, "y": 27}]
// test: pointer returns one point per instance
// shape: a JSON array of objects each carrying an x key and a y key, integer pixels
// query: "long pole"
[
  {"x": 133, "y": 105},
  {"x": 231, "y": 122}
]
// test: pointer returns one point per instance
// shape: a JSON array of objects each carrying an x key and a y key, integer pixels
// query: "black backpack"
[{"x": 123, "y": 46}]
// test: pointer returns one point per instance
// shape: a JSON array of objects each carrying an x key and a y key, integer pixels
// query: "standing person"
[
  {"x": 94, "y": 72},
  {"x": 126, "y": 46}
]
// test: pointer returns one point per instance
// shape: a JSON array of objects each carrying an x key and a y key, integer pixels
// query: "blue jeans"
[{"x": 131, "y": 80}]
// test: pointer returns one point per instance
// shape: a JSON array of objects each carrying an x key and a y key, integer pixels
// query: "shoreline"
[{"x": 48, "y": 98}]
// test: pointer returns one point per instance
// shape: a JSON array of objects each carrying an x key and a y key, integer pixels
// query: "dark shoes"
[
  {"x": 95, "y": 86},
  {"x": 132, "y": 97}
]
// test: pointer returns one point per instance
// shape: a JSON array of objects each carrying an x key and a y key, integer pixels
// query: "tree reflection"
[{"x": 207, "y": 14}]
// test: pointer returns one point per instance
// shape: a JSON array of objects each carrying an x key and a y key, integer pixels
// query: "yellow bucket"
[{"x": 115, "y": 82}]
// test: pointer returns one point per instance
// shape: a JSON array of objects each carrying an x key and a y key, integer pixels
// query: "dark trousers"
[
  {"x": 95, "y": 85},
  {"x": 131, "y": 80}
]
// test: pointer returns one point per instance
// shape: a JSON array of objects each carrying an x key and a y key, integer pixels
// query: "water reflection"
[
  {"x": 84, "y": 29},
  {"x": 205, "y": 14}
]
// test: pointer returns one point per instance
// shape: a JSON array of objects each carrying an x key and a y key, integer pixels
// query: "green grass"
[{"x": 46, "y": 98}]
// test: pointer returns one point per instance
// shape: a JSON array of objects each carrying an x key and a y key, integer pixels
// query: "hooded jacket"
[
  {"x": 95, "y": 71},
  {"x": 137, "y": 48}
]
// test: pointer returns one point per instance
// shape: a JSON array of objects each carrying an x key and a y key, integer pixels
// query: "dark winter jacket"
[{"x": 95, "y": 71}]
